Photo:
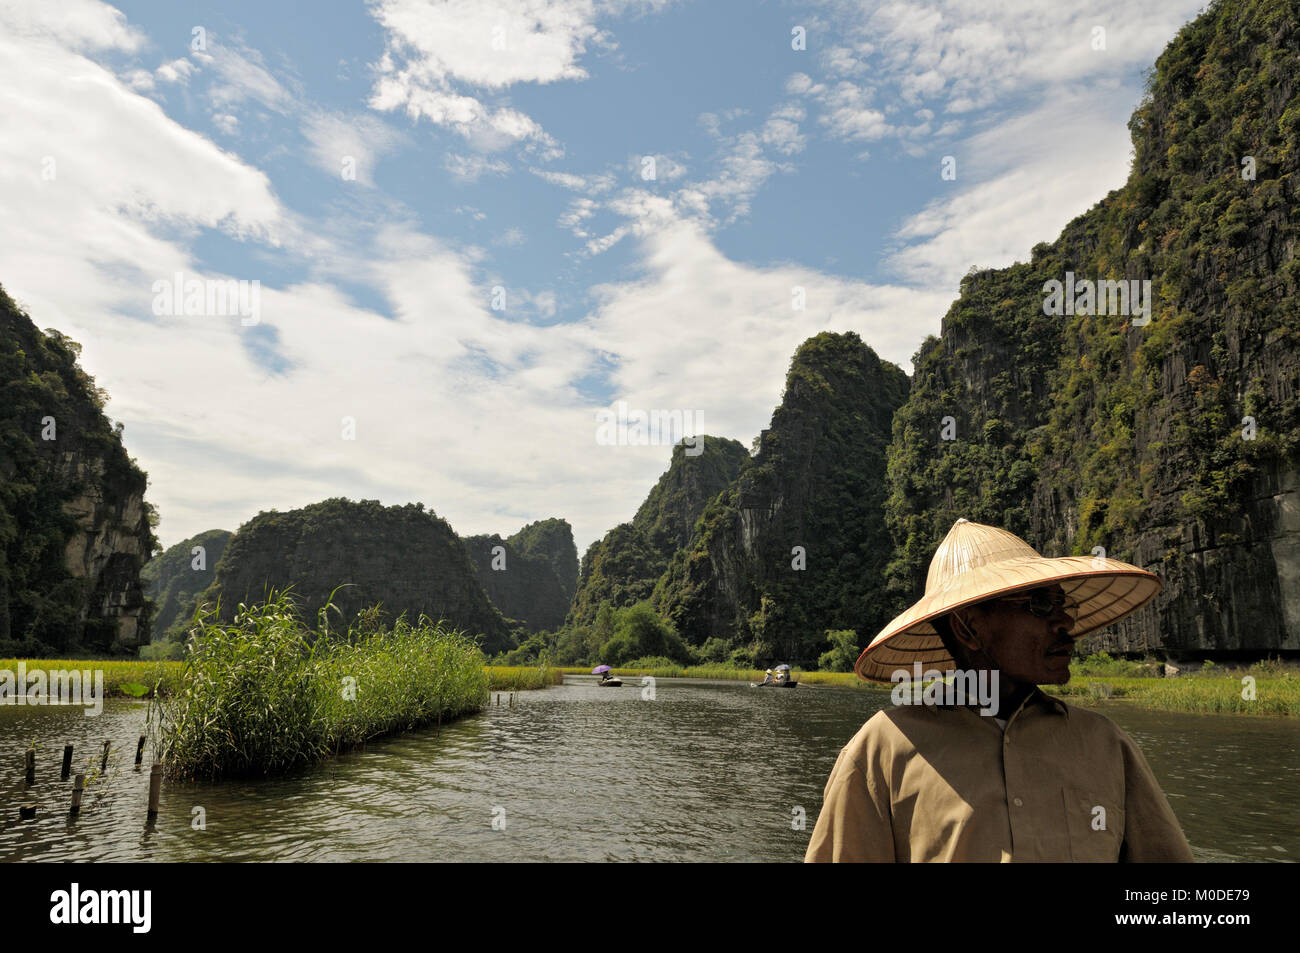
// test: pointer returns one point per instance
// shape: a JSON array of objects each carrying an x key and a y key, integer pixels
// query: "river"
[{"x": 707, "y": 770}]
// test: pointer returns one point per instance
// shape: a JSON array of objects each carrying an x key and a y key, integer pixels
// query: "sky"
[{"x": 479, "y": 227}]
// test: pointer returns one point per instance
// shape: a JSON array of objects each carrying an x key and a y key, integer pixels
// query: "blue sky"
[{"x": 500, "y": 144}]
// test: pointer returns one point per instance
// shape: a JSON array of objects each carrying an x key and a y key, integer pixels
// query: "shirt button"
[{"x": 1018, "y": 803}]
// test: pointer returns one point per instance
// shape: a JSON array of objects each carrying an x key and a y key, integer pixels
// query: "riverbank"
[
  {"x": 726, "y": 673},
  {"x": 138, "y": 679},
  {"x": 1271, "y": 689},
  {"x": 1276, "y": 690}
]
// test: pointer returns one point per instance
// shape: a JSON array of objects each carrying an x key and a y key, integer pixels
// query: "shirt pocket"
[{"x": 1095, "y": 825}]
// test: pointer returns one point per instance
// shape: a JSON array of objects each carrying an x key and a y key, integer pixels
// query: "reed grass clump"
[{"x": 266, "y": 692}]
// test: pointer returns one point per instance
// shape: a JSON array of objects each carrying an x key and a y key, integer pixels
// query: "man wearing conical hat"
[{"x": 1016, "y": 775}]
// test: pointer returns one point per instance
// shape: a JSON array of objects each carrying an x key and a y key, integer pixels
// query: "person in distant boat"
[
  {"x": 768, "y": 679},
  {"x": 1010, "y": 774}
]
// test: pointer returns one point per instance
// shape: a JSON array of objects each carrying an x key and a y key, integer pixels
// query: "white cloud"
[
  {"x": 226, "y": 123},
  {"x": 1025, "y": 189},
  {"x": 579, "y": 210},
  {"x": 487, "y": 43},
  {"x": 958, "y": 56},
  {"x": 240, "y": 76},
  {"x": 139, "y": 79},
  {"x": 593, "y": 184},
  {"x": 75, "y": 24},
  {"x": 120, "y": 169},
  {"x": 335, "y": 137},
  {"x": 669, "y": 328},
  {"x": 510, "y": 237},
  {"x": 471, "y": 167},
  {"x": 176, "y": 71}
]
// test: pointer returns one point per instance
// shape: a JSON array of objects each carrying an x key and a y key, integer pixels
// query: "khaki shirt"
[{"x": 934, "y": 783}]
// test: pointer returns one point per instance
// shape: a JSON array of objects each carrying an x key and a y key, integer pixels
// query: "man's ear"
[{"x": 962, "y": 630}]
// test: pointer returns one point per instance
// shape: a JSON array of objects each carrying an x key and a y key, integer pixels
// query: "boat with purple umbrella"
[{"x": 607, "y": 677}]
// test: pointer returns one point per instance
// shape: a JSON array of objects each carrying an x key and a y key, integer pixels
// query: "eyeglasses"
[{"x": 1042, "y": 603}]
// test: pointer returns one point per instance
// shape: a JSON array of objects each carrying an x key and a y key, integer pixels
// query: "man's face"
[{"x": 1029, "y": 650}]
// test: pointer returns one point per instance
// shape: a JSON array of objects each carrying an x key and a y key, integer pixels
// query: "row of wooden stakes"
[{"x": 28, "y": 812}]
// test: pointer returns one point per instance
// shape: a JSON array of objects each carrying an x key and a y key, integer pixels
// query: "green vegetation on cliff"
[
  {"x": 404, "y": 559},
  {"x": 1155, "y": 443},
  {"x": 552, "y": 539},
  {"x": 797, "y": 545},
  {"x": 74, "y": 527},
  {"x": 621, "y": 569},
  {"x": 522, "y": 582},
  {"x": 175, "y": 579}
]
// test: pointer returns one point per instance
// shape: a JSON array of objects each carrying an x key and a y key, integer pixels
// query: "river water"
[{"x": 707, "y": 770}]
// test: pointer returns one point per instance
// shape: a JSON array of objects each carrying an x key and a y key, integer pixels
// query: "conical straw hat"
[{"x": 977, "y": 562}]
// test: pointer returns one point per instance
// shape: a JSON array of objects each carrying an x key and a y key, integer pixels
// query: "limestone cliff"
[
  {"x": 174, "y": 579},
  {"x": 1173, "y": 444},
  {"x": 403, "y": 558},
  {"x": 622, "y": 568},
  {"x": 521, "y": 580},
  {"x": 74, "y": 526},
  {"x": 797, "y": 544},
  {"x": 552, "y": 539}
]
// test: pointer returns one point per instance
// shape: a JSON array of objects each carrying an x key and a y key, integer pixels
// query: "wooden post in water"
[
  {"x": 139, "y": 751},
  {"x": 31, "y": 765},
  {"x": 103, "y": 765},
  {"x": 27, "y": 813},
  {"x": 78, "y": 786},
  {"x": 67, "y": 763},
  {"x": 155, "y": 789}
]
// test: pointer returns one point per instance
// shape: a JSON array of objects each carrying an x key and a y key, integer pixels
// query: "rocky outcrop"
[
  {"x": 74, "y": 526},
  {"x": 797, "y": 544},
  {"x": 403, "y": 558},
  {"x": 622, "y": 568},
  {"x": 553, "y": 540},
  {"x": 521, "y": 582},
  {"x": 1174, "y": 443},
  {"x": 174, "y": 580}
]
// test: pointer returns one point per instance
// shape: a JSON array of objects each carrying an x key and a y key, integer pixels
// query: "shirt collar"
[
  {"x": 1049, "y": 702},
  {"x": 1037, "y": 698}
]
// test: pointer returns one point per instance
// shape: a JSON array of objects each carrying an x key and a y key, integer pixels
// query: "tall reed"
[{"x": 267, "y": 693}]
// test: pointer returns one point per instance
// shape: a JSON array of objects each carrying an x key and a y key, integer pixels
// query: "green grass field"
[
  {"x": 124, "y": 678},
  {"x": 1212, "y": 691},
  {"x": 1216, "y": 691}
]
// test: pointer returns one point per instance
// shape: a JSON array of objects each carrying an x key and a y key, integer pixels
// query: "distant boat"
[
  {"x": 607, "y": 678},
  {"x": 773, "y": 684}
]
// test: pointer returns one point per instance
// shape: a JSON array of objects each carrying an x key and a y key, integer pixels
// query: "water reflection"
[{"x": 706, "y": 771}]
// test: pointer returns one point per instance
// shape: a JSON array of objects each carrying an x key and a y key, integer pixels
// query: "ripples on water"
[{"x": 707, "y": 771}]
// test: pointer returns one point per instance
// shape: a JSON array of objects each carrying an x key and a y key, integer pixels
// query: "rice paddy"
[
  {"x": 522, "y": 678},
  {"x": 1275, "y": 688},
  {"x": 124, "y": 678}
]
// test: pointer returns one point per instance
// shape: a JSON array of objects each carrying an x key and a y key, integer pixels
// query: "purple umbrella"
[
  {"x": 601, "y": 668},
  {"x": 783, "y": 668}
]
